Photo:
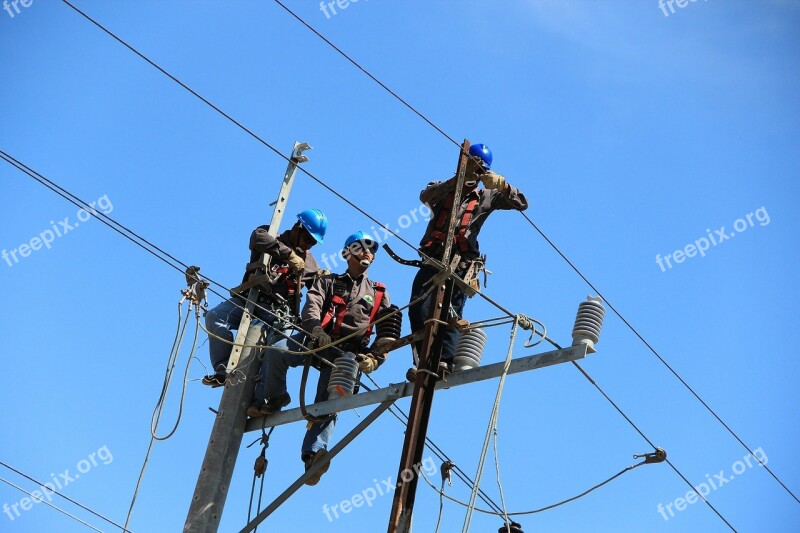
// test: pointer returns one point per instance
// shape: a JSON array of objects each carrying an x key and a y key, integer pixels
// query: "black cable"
[
  {"x": 400, "y": 415},
  {"x": 437, "y": 128},
  {"x": 29, "y": 478},
  {"x": 653, "y": 350}
]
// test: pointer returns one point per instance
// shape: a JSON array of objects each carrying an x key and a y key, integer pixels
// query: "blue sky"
[{"x": 632, "y": 133}]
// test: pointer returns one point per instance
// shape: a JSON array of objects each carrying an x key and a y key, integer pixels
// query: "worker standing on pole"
[
  {"x": 476, "y": 205},
  {"x": 290, "y": 261},
  {"x": 337, "y": 306}
]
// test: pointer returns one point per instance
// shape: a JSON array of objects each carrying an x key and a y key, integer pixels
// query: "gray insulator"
[
  {"x": 469, "y": 349},
  {"x": 343, "y": 377},
  {"x": 588, "y": 322}
]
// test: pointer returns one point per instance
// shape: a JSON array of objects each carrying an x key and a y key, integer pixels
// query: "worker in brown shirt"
[
  {"x": 337, "y": 305},
  {"x": 476, "y": 206}
]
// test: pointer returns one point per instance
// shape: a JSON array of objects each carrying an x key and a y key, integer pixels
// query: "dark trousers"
[{"x": 419, "y": 313}]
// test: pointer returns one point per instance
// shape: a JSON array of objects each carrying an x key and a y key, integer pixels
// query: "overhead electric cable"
[
  {"x": 41, "y": 499},
  {"x": 29, "y": 478},
  {"x": 448, "y": 137}
]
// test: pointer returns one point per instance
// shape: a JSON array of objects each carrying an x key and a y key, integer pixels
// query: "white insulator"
[
  {"x": 588, "y": 322},
  {"x": 343, "y": 377},
  {"x": 469, "y": 350}
]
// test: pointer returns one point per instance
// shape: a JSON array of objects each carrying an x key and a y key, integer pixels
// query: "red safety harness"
[
  {"x": 335, "y": 309},
  {"x": 437, "y": 235}
]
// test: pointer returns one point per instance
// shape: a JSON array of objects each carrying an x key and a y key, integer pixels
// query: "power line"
[
  {"x": 29, "y": 478},
  {"x": 37, "y": 500},
  {"x": 437, "y": 128}
]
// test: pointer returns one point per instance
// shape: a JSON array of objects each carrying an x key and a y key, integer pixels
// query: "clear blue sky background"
[{"x": 631, "y": 133}]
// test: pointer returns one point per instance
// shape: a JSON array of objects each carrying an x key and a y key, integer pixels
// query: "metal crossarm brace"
[{"x": 294, "y": 487}]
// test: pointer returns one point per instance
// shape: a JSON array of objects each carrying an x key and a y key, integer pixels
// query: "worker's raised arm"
[
  {"x": 262, "y": 242},
  {"x": 436, "y": 191}
]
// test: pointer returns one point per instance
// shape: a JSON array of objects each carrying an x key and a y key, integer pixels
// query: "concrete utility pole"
[
  {"x": 425, "y": 385},
  {"x": 205, "y": 511}
]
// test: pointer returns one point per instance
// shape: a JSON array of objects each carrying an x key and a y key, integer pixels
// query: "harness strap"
[{"x": 437, "y": 235}]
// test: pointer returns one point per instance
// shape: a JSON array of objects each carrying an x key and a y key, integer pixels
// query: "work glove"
[
  {"x": 320, "y": 337},
  {"x": 321, "y": 273},
  {"x": 296, "y": 263},
  {"x": 367, "y": 362},
  {"x": 493, "y": 181}
]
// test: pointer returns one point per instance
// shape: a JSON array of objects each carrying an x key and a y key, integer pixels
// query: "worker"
[
  {"x": 290, "y": 261},
  {"x": 337, "y": 306},
  {"x": 476, "y": 205}
]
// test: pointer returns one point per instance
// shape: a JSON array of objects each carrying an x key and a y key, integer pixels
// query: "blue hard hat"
[
  {"x": 315, "y": 222},
  {"x": 365, "y": 239},
  {"x": 482, "y": 152}
]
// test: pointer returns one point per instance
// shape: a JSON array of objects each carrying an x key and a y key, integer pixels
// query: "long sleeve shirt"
[
  {"x": 279, "y": 249},
  {"x": 488, "y": 200},
  {"x": 359, "y": 293}
]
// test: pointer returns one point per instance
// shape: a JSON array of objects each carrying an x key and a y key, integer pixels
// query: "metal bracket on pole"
[
  {"x": 294, "y": 487},
  {"x": 211, "y": 491}
]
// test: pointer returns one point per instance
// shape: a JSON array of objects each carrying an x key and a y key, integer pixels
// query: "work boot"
[
  {"x": 273, "y": 405},
  {"x": 254, "y": 410},
  {"x": 310, "y": 458},
  {"x": 215, "y": 380}
]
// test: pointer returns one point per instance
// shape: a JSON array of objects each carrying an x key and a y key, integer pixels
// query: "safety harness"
[
  {"x": 437, "y": 235},
  {"x": 335, "y": 308}
]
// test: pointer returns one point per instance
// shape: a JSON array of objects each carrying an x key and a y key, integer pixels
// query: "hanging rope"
[
  {"x": 490, "y": 429},
  {"x": 259, "y": 471}
]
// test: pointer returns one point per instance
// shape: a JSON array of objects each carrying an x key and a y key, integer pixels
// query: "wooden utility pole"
[
  {"x": 205, "y": 511},
  {"x": 427, "y": 368}
]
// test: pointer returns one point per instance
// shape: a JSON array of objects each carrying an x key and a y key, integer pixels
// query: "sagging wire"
[
  {"x": 491, "y": 427},
  {"x": 655, "y": 457},
  {"x": 195, "y": 295}
]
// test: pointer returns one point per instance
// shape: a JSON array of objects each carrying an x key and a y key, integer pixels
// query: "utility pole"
[
  {"x": 205, "y": 511},
  {"x": 425, "y": 384}
]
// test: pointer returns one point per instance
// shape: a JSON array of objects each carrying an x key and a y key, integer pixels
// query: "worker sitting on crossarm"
[
  {"x": 476, "y": 205},
  {"x": 290, "y": 262},
  {"x": 337, "y": 305}
]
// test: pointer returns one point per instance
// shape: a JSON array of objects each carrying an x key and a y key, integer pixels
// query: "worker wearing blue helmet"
[
  {"x": 476, "y": 205},
  {"x": 339, "y": 307},
  {"x": 291, "y": 266}
]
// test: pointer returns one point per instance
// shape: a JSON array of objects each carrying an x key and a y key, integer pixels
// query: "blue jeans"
[
  {"x": 272, "y": 383},
  {"x": 220, "y": 321},
  {"x": 419, "y": 313}
]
